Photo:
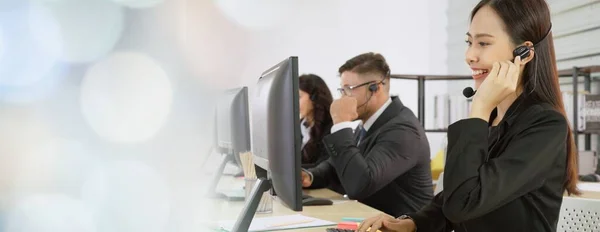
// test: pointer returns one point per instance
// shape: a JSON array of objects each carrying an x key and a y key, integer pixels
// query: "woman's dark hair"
[
  {"x": 529, "y": 20},
  {"x": 321, "y": 99}
]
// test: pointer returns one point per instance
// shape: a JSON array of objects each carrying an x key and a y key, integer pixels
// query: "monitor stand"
[
  {"x": 245, "y": 218},
  {"x": 239, "y": 174},
  {"x": 308, "y": 200},
  {"x": 232, "y": 169},
  {"x": 207, "y": 157},
  {"x": 212, "y": 188}
]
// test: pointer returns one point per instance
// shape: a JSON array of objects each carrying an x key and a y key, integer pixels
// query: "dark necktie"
[{"x": 361, "y": 134}]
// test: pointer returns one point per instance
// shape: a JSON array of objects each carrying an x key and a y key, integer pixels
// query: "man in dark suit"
[{"x": 385, "y": 163}]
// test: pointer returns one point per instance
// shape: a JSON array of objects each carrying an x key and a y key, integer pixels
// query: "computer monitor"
[
  {"x": 231, "y": 130},
  {"x": 276, "y": 139},
  {"x": 233, "y": 123}
]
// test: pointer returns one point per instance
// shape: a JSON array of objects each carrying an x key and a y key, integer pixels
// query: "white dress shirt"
[{"x": 305, "y": 133}]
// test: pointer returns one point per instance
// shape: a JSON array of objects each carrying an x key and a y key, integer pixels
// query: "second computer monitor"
[
  {"x": 276, "y": 130},
  {"x": 233, "y": 123}
]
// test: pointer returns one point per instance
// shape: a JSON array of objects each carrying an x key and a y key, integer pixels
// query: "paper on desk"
[
  {"x": 590, "y": 186},
  {"x": 277, "y": 223},
  {"x": 336, "y": 202}
]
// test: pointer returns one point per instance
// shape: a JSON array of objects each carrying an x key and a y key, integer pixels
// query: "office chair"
[{"x": 579, "y": 214}]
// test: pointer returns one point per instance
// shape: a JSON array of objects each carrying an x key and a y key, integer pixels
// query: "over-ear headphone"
[{"x": 522, "y": 51}]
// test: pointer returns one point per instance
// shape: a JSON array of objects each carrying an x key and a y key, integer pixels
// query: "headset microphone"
[{"x": 469, "y": 92}]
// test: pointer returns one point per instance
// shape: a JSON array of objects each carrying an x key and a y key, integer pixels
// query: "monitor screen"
[
  {"x": 233, "y": 123},
  {"x": 276, "y": 130}
]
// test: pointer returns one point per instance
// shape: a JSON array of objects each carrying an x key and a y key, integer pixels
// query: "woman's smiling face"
[{"x": 487, "y": 42}]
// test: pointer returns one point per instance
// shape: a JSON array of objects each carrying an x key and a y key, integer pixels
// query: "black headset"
[
  {"x": 522, "y": 51},
  {"x": 375, "y": 86}
]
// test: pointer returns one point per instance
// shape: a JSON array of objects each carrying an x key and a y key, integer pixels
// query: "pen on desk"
[
  {"x": 351, "y": 219},
  {"x": 291, "y": 223}
]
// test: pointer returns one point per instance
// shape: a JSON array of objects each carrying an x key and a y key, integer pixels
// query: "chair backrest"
[{"x": 579, "y": 214}]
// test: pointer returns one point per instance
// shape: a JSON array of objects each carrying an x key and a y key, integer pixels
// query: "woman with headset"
[
  {"x": 508, "y": 164},
  {"x": 315, "y": 100}
]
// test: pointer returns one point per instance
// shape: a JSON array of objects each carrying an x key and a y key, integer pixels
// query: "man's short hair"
[{"x": 367, "y": 63}]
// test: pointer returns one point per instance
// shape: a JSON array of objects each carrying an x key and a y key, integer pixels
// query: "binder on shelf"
[
  {"x": 441, "y": 110},
  {"x": 436, "y": 113},
  {"x": 449, "y": 109},
  {"x": 581, "y": 108},
  {"x": 591, "y": 112},
  {"x": 588, "y": 162}
]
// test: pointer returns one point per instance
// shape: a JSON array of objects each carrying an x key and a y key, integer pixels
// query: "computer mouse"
[{"x": 316, "y": 201}]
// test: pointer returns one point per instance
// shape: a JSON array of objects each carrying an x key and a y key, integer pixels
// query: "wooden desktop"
[
  {"x": 342, "y": 207},
  {"x": 589, "y": 190}
]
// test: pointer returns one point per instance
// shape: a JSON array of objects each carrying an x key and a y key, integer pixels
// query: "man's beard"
[{"x": 363, "y": 112}]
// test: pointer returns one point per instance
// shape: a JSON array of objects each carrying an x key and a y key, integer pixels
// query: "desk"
[
  {"x": 229, "y": 210},
  {"x": 589, "y": 190}
]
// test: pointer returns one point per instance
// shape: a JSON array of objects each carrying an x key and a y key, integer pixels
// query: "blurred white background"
[{"x": 105, "y": 105}]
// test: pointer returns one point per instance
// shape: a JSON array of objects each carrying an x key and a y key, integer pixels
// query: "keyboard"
[{"x": 338, "y": 230}]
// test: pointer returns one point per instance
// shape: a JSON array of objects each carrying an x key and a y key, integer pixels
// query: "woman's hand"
[
  {"x": 386, "y": 223},
  {"x": 502, "y": 81}
]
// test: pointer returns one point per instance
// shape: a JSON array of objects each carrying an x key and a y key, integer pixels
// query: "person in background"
[
  {"x": 315, "y": 100},
  {"x": 385, "y": 160},
  {"x": 509, "y": 164}
]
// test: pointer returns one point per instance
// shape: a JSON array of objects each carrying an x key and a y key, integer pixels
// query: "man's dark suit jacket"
[{"x": 389, "y": 170}]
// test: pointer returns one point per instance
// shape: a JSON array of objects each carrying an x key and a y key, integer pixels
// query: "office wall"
[
  {"x": 324, "y": 34},
  {"x": 576, "y": 30},
  {"x": 226, "y": 46}
]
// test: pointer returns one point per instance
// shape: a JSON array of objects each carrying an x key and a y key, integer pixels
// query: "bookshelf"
[
  {"x": 575, "y": 73},
  {"x": 421, "y": 92}
]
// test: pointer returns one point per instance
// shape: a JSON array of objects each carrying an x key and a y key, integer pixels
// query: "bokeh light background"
[
  {"x": 106, "y": 105},
  {"x": 105, "y": 112}
]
